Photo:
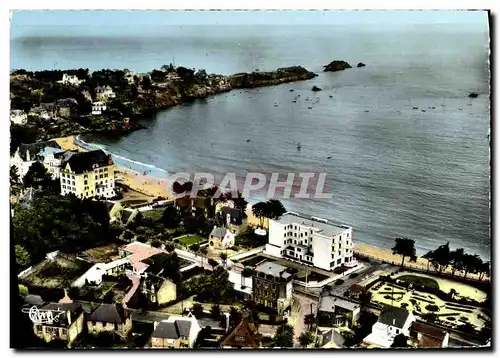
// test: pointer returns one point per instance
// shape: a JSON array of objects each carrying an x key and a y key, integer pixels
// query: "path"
[
  {"x": 136, "y": 280},
  {"x": 307, "y": 306}
]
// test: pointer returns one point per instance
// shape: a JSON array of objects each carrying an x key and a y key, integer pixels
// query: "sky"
[{"x": 148, "y": 18}]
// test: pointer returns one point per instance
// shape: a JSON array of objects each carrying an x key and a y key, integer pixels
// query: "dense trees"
[
  {"x": 284, "y": 336},
  {"x": 406, "y": 248},
  {"x": 309, "y": 320},
  {"x": 305, "y": 339},
  {"x": 171, "y": 219},
  {"x": 23, "y": 258},
  {"x": 271, "y": 209},
  {"x": 55, "y": 222},
  {"x": 400, "y": 341}
]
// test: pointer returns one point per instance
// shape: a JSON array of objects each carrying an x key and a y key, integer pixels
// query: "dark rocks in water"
[
  {"x": 309, "y": 107},
  {"x": 473, "y": 95},
  {"x": 294, "y": 101},
  {"x": 361, "y": 64},
  {"x": 316, "y": 89},
  {"x": 433, "y": 107},
  {"x": 367, "y": 111},
  {"x": 336, "y": 66},
  {"x": 460, "y": 109},
  {"x": 415, "y": 107},
  {"x": 248, "y": 140},
  {"x": 330, "y": 96},
  {"x": 291, "y": 89},
  {"x": 423, "y": 110},
  {"x": 328, "y": 157}
]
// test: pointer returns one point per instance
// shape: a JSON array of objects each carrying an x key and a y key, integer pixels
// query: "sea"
[{"x": 405, "y": 151}]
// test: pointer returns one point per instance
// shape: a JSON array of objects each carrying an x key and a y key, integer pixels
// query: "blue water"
[{"x": 394, "y": 170}]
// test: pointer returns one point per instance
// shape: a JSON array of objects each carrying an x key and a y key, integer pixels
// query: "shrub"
[
  {"x": 450, "y": 318},
  {"x": 354, "y": 275},
  {"x": 432, "y": 308},
  {"x": 339, "y": 282}
]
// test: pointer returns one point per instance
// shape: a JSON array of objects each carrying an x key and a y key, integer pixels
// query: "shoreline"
[
  {"x": 144, "y": 184},
  {"x": 154, "y": 187}
]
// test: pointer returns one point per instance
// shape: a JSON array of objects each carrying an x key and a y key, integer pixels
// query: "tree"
[
  {"x": 215, "y": 311},
  {"x": 203, "y": 252},
  {"x": 400, "y": 341},
  {"x": 457, "y": 258},
  {"x": 169, "y": 247},
  {"x": 430, "y": 317},
  {"x": 197, "y": 310},
  {"x": 171, "y": 218},
  {"x": 146, "y": 83},
  {"x": 23, "y": 258},
  {"x": 284, "y": 336},
  {"x": 14, "y": 176},
  {"x": 406, "y": 248},
  {"x": 441, "y": 257},
  {"x": 234, "y": 316},
  {"x": 452, "y": 293},
  {"x": 37, "y": 176},
  {"x": 309, "y": 320},
  {"x": 23, "y": 290},
  {"x": 484, "y": 270},
  {"x": 275, "y": 209},
  {"x": 259, "y": 211},
  {"x": 305, "y": 339},
  {"x": 428, "y": 256},
  {"x": 471, "y": 264}
]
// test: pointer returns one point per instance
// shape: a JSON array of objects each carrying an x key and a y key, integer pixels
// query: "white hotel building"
[{"x": 310, "y": 241}]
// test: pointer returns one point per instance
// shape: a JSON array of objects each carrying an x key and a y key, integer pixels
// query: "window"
[
  {"x": 73, "y": 183},
  {"x": 85, "y": 182},
  {"x": 106, "y": 175},
  {"x": 85, "y": 176},
  {"x": 397, "y": 331}
]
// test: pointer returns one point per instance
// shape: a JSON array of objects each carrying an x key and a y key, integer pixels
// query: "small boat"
[
  {"x": 330, "y": 96},
  {"x": 415, "y": 107},
  {"x": 329, "y": 157},
  {"x": 309, "y": 107},
  {"x": 294, "y": 101},
  {"x": 248, "y": 140},
  {"x": 299, "y": 146}
]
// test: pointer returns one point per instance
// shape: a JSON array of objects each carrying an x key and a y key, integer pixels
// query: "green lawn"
[
  {"x": 154, "y": 215},
  {"x": 191, "y": 239},
  {"x": 424, "y": 281}
]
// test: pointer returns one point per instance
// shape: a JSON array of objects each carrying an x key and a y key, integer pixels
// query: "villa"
[
  {"x": 175, "y": 332},
  {"x": 221, "y": 238},
  {"x": 17, "y": 116},
  {"x": 392, "y": 321},
  {"x": 311, "y": 241},
  {"x": 70, "y": 80},
  {"x": 98, "y": 108},
  {"x": 272, "y": 286},
  {"x": 103, "y": 93},
  {"x": 27, "y": 154},
  {"x": 110, "y": 318},
  {"x": 88, "y": 175}
]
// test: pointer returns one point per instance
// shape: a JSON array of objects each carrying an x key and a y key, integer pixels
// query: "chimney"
[{"x": 66, "y": 298}]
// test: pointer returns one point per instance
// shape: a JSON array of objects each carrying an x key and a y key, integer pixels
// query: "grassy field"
[
  {"x": 191, "y": 239},
  {"x": 424, "y": 281},
  {"x": 154, "y": 215}
]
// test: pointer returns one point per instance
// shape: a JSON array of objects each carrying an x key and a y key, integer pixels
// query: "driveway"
[{"x": 307, "y": 306}]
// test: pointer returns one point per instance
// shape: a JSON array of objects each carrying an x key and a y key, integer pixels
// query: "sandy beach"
[{"x": 144, "y": 184}]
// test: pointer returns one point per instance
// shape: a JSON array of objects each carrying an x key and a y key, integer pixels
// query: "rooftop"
[
  {"x": 109, "y": 313},
  {"x": 273, "y": 269},
  {"x": 219, "y": 232},
  {"x": 393, "y": 316},
  {"x": 328, "y": 304},
  {"x": 324, "y": 228},
  {"x": 88, "y": 161},
  {"x": 173, "y": 329}
]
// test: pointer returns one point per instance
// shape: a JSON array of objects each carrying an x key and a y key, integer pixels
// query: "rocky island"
[
  {"x": 336, "y": 66},
  {"x": 51, "y": 104}
]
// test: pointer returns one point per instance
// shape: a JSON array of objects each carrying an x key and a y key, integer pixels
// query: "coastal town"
[{"x": 107, "y": 257}]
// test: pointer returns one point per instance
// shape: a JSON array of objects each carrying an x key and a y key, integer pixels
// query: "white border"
[{"x": 186, "y": 4}]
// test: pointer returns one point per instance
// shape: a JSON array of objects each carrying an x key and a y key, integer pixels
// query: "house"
[
  {"x": 158, "y": 289},
  {"x": 112, "y": 318},
  {"x": 65, "y": 322},
  {"x": 243, "y": 335},
  {"x": 98, "y": 108},
  {"x": 232, "y": 218},
  {"x": 197, "y": 206},
  {"x": 330, "y": 339},
  {"x": 66, "y": 107},
  {"x": 54, "y": 158},
  {"x": 103, "y": 93},
  {"x": 88, "y": 174},
  {"x": 129, "y": 77},
  {"x": 17, "y": 116},
  {"x": 175, "y": 332},
  {"x": 272, "y": 286},
  {"x": 337, "y": 311},
  {"x": 70, "y": 80},
  {"x": 392, "y": 321},
  {"x": 424, "y": 335},
  {"x": 221, "y": 238},
  {"x": 27, "y": 154},
  {"x": 311, "y": 241}
]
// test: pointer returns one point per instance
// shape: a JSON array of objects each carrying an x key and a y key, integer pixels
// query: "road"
[{"x": 307, "y": 306}]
